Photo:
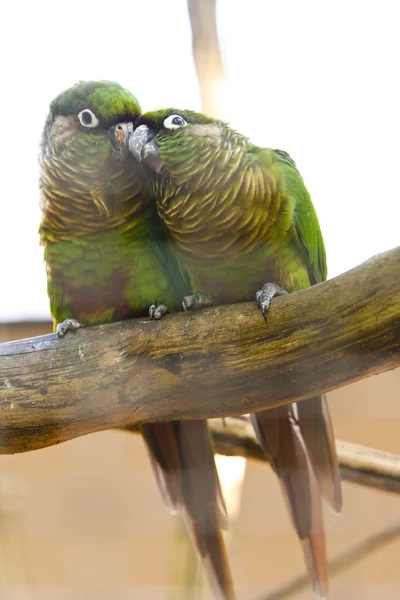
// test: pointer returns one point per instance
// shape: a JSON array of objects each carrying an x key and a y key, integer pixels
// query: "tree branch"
[
  {"x": 358, "y": 464},
  {"x": 218, "y": 362},
  {"x": 341, "y": 563},
  {"x": 207, "y": 57}
]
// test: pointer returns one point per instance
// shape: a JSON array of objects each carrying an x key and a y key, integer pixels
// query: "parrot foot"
[
  {"x": 157, "y": 311},
  {"x": 197, "y": 301},
  {"x": 67, "y": 325},
  {"x": 264, "y": 296}
]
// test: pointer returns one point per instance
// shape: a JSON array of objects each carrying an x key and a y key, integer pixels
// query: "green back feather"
[{"x": 306, "y": 221}]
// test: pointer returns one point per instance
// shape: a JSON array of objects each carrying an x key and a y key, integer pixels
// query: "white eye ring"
[
  {"x": 174, "y": 122},
  {"x": 87, "y": 118}
]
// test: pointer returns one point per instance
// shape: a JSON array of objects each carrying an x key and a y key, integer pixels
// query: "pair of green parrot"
[{"x": 141, "y": 213}]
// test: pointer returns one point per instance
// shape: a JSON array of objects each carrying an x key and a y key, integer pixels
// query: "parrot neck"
[{"x": 86, "y": 188}]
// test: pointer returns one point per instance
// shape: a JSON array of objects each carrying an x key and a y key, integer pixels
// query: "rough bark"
[{"x": 218, "y": 362}]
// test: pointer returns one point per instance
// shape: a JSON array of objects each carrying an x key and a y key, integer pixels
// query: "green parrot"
[
  {"x": 243, "y": 227},
  {"x": 107, "y": 259}
]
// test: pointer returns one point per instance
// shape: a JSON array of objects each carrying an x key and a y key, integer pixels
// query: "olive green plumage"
[
  {"x": 103, "y": 242},
  {"x": 107, "y": 258},
  {"x": 232, "y": 208},
  {"x": 241, "y": 217}
]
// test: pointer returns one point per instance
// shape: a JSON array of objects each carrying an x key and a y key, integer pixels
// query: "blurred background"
[{"x": 320, "y": 80}]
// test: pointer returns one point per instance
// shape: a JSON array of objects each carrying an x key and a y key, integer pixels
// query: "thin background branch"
[
  {"x": 365, "y": 466},
  {"x": 341, "y": 563},
  {"x": 207, "y": 58}
]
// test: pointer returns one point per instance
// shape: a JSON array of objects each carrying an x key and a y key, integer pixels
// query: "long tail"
[
  {"x": 183, "y": 461},
  {"x": 280, "y": 436},
  {"x": 317, "y": 431}
]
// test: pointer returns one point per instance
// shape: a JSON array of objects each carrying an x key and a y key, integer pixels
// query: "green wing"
[
  {"x": 308, "y": 233},
  {"x": 163, "y": 247}
]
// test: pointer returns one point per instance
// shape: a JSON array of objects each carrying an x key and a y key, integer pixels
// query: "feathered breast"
[
  {"x": 87, "y": 187},
  {"x": 226, "y": 198}
]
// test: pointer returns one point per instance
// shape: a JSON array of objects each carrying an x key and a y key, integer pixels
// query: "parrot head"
[
  {"x": 83, "y": 149},
  {"x": 94, "y": 110},
  {"x": 165, "y": 140}
]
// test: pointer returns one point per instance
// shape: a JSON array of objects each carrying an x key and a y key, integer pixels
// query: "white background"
[{"x": 318, "y": 79}]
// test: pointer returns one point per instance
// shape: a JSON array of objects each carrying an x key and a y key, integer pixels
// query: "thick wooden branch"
[{"x": 222, "y": 361}]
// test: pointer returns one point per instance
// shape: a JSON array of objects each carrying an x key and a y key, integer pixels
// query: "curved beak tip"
[{"x": 138, "y": 140}]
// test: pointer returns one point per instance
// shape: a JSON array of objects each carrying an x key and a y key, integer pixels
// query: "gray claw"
[
  {"x": 197, "y": 301},
  {"x": 187, "y": 302},
  {"x": 67, "y": 325},
  {"x": 157, "y": 311},
  {"x": 264, "y": 296}
]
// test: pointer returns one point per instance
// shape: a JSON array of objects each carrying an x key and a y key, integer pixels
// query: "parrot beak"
[
  {"x": 120, "y": 134},
  {"x": 144, "y": 148}
]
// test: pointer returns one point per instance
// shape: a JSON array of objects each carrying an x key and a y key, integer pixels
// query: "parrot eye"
[
  {"x": 87, "y": 118},
  {"x": 174, "y": 122}
]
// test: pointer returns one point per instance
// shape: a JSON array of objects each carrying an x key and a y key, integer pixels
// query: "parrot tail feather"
[
  {"x": 314, "y": 545},
  {"x": 279, "y": 435},
  {"x": 317, "y": 432},
  {"x": 164, "y": 456},
  {"x": 182, "y": 457},
  {"x": 211, "y": 547}
]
